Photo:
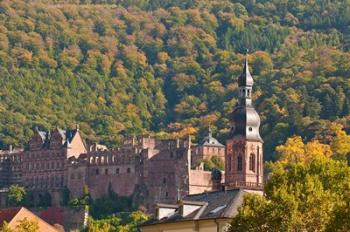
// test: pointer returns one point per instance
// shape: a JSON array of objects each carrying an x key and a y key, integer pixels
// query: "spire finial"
[
  {"x": 77, "y": 126},
  {"x": 246, "y": 57}
]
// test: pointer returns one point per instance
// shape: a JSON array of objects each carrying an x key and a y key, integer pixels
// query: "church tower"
[{"x": 244, "y": 147}]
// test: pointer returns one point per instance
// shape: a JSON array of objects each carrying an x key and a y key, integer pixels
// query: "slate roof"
[
  {"x": 67, "y": 135},
  {"x": 210, "y": 141},
  {"x": 43, "y": 135},
  {"x": 219, "y": 204},
  {"x": 214, "y": 200}
]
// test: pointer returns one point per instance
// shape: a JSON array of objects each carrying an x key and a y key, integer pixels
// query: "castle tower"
[{"x": 244, "y": 147}]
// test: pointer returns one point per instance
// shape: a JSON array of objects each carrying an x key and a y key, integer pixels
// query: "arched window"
[
  {"x": 97, "y": 171},
  {"x": 239, "y": 163},
  {"x": 128, "y": 170},
  {"x": 252, "y": 162}
]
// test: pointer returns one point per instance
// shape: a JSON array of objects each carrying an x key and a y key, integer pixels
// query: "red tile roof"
[
  {"x": 8, "y": 214},
  {"x": 52, "y": 215}
]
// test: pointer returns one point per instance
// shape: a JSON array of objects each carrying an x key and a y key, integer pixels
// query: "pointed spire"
[
  {"x": 210, "y": 132},
  {"x": 77, "y": 126},
  {"x": 246, "y": 79},
  {"x": 246, "y": 55}
]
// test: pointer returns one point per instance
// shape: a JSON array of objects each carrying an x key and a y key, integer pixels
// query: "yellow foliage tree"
[
  {"x": 341, "y": 142},
  {"x": 295, "y": 151}
]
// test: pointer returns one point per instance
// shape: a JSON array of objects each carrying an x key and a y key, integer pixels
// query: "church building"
[{"x": 213, "y": 211}]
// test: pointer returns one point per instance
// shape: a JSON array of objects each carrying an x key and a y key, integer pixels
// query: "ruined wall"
[
  {"x": 10, "y": 167},
  {"x": 77, "y": 177},
  {"x": 112, "y": 168},
  {"x": 200, "y": 181}
]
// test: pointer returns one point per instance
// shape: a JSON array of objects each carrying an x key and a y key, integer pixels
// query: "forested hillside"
[{"x": 122, "y": 68}]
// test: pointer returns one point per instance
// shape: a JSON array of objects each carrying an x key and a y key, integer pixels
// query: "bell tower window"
[
  {"x": 252, "y": 162},
  {"x": 239, "y": 163}
]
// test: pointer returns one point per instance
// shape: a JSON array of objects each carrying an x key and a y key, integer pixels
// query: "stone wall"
[{"x": 200, "y": 181}]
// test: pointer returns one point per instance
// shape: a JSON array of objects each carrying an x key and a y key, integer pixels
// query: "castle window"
[
  {"x": 164, "y": 180},
  {"x": 239, "y": 163},
  {"x": 166, "y": 194},
  {"x": 171, "y": 154},
  {"x": 97, "y": 171},
  {"x": 79, "y": 176},
  {"x": 117, "y": 171},
  {"x": 252, "y": 162},
  {"x": 128, "y": 170},
  {"x": 106, "y": 171}
]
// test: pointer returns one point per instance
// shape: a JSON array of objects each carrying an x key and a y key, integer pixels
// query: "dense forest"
[{"x": 169, "y": 67}]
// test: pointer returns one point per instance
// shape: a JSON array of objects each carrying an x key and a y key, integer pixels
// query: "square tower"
[{"x": 244, "y": 148}]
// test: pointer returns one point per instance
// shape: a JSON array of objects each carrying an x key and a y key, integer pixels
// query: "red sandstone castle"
[{"x": 147, "y": 169}]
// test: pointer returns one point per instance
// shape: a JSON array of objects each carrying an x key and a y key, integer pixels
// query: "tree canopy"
[
  {"x": 307, "y": 190},
  {"x": 123, "y": 68},
  {"x": 16, "y": 195}
]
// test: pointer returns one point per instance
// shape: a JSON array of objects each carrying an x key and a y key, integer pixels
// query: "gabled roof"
[
  {"x": 219, "y": 204},
  {"x": 14, "y": 215}
]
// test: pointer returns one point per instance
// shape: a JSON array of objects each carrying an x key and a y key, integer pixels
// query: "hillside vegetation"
[{"x": 127, "y": 67}]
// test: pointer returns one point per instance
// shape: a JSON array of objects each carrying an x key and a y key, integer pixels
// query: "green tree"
[
  {"x": 16, "y": 195},
  {"x": 299, "y": 197},
  {"x": 24, "y": 225}
]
